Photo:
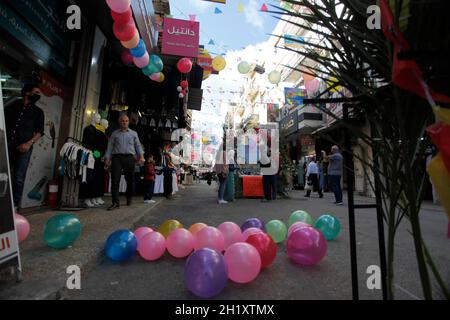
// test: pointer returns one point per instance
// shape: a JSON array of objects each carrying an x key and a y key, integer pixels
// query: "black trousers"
[
  {"x": 168, "y": 180},
  {"x": 125, "y": 163},
  {"x": 314, "y": 178},
  {"x": 270, "y": 187}
]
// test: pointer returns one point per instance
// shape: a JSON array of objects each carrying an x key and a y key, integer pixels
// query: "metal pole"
[{"x": 349, "y": 169}]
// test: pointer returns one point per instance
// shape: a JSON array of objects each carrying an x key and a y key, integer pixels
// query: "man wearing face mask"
[{"x": 24, "y": 126}]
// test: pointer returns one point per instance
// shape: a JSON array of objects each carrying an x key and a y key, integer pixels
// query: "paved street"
[{"x": 331, "y": 279}]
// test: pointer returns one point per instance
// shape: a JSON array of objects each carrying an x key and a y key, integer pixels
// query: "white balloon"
[
  {"x": 179, "y": 88},
  {"x": 181, "y": 96}
]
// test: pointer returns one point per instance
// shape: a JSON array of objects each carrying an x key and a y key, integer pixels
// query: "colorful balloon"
[
  {"x": 244, "y": 67},
  {"x": 140, "y": 49},
  {"x": 329, "y": 225},
  {"x": 168, "y": 226},
  {"x": 306, "y": 246},
  {"x": 123, "y": 17},
  {"x": 142, "y": 231},
  {"x": 149, "y": 70},
  {"x": 196, "y": 227},
  {"x": 133, "y": 42},
  {"x": 253, "y": 223},
  {"x": 210, "y": 237},
  {"x": 22, "y": 227},
  {"x": 121, "y": 245},
  {"x": 152, "y": 246},
  {"x": 62, "y": 230},
  {"x": 297, "y": 225},
  {"x": 184, "y": 84},
  {"x": 180, "y": 243},
  {"x": 119, "y": 6},
  {"x": 219, "y": 63},
  {"x": 231, "y": 233},
  {"x": 157, "y": 63},
  {"x": 243, "y": 261},
  {"x": 124, "y": 32},
  {"x": 248, "y": 232},
  {"x": 184, "y": 65},
  {"x": 206, "y": 273},
  {"x": 127, "y": 58},
  {"x": 300, "y": 215},
  {"x": 141, "y": 62},
  {"x": 162, "y": 77},
  {"x": 275, "y": 77},
  {"x": 277, "y": 230},
  {"x": 155, "y": 76},
  {"x": 266, "y": 247}
]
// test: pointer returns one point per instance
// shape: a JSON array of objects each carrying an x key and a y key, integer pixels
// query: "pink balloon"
[
  {"x": 155, "y": 76},
  {"x": 231, "y": 232},
  {"x": 151, "y": 247},
  {"x": 243, "y": 261},
  {"x": 311, "y": 86},
  {"x": 142, "y": 231},
  {"x": 296, "y": 225},
  {"x": 143, "y": 61},
  {"x": 306, "y": 246},
  {"x": 180, "y": 243},
  {"x": 248, "y": 232},
  {"x": 209, "y": 237},
  {"x": 22, "y": 226},
  {"x": 119, "y": 6},
  {"x": 184, "y": 65},
  {"x": 127, "y": 58}
]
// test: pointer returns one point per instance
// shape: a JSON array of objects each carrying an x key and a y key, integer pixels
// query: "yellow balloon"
[
  {"x": 131, "y": 44},
  {"x": 162, "y": 77},
  {"x": 168, "y": 226},
  {"x": 219, "y": 63}
]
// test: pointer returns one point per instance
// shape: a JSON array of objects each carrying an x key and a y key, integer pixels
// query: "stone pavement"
[{"x": 331, "y": 279}]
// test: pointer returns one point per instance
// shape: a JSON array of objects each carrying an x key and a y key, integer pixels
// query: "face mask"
[{"x": 34, "y": 98}]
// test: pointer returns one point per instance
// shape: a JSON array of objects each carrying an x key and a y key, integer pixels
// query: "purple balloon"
[
  {"x": 206, "y": 273},
  {"x": 306, "y": 246},
  {"x": 253, "y": 223}
]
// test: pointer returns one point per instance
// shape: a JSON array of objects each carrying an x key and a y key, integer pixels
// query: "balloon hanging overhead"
[
  {"x": 244, "y": 67},
  {"x": 140, "y": 49},
  {"x": 162, "y": 77},
  {"x": 119, "y": 6},
  {"x": 142, "y": 61},
  {"x": 127, "y": 58},
  {"x": 275, "y": 77},
  {"x": 156, "y": 62},
  {"x": 133, "y": 42},
  {"x": 123, "y": 17},
  {"x": 155, "y": 76},
  {"x": 219, "y": 63},
  {"x": 124, "y": 32},
  {"x": 184, "y": 65}
]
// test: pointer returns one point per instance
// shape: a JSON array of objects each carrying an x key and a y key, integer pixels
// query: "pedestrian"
[
  {"x": 24, "y": 127},
  {"x": 149, "y": 179},
  {"x": 312, "y": 174},
  {"x": 269, "y": 180},
  {"x": 124, "y": 149},
  {"x": 335, "y": 172},
  {"x": 168, "y": 171},
  {"x": 222, "y": 171}
]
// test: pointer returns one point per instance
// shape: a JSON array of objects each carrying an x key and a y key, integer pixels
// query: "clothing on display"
[{"x": 76, "y": 161}]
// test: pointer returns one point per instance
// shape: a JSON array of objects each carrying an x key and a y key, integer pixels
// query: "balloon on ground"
[
  {"x": 306, "y": 246},
  {"x": 253, "y": 223},
  {"x": 277, "y": 230},
  {"x": 196, "y": 227},
  {"x": 180, "y": 243},
  {"x": 301, "y": 216},
  {"x": 22, "y": 227},
  {"x": 297, "y": 225},
  {"x": 121, "y": 245},
  {"x": 231, "y": 232},
  {"x": 329, "y": 225},
  {"x": 142, "y": 231},
  {"x": 210, "y": 237},
  {"x": 266, "y": 247},
  {"x": 243, "y": 261},
  {"x": 152, "y": 246},
  {"x": 62, "y": 230},
  {"x": 248, "y": 232},
  {"x": 168, "y": 226}
]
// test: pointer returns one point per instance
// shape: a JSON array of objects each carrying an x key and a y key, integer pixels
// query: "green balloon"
[
  {"x": 329, "y": 225},
  {"x": 277, "y": 230},
  {"x": 150, "y": 69},
  {"x": 243, "y": 67},
  {"x": 62, "y": 230},
  {"x": 300, "y": 215},
  {"x": 275, "y": 77}
]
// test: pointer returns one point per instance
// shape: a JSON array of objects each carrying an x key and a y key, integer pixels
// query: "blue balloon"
[
  {"x": 329, "y": 225},
  {"x": 150, "y": 69},
  {"x": 121, "y": 245},
  {"x": 253, "y": 223},
  {"x": 140, "y": 49},
  {"x": 206, "y": 273},
  {"x": 157, "y": 62}
]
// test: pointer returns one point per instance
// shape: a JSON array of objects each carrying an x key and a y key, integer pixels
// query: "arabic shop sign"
[
  {"x": 289, "y": 124},
  {"x": 180, "y": 38}
]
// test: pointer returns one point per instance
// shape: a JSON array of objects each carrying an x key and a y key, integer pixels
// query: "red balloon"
[
  {"x": 184, "y": 65},
  {"x": 183, "y": 92},
  {"x": 122, "y": 18},
  {"x": 124, "y": 32},
  {"x": 127, "y": 58},
  {"x": 266, "y": 247},
  {"x": 184, "y": 84}
]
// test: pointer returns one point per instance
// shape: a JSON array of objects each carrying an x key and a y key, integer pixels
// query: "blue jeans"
[
  {"x": 19, "y": 166},
  {"x": 149, "y": 189},
  {"x": 222, "y": 185},
  {"x": 336, "y": 187}
]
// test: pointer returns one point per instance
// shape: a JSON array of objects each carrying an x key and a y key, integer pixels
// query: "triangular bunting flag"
[
  {"x": 264, "y": 8},
  {"x": 192, "y": 17},
  {"x": 217, "y": 11},
  {"x": 240, "y": 7},
  {"x": 211, "y": 42}
]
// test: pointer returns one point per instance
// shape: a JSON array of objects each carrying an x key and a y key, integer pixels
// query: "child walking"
[{"x": 149, "y": 178}]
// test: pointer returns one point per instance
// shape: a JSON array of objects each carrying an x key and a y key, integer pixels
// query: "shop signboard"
[
  {"x": 18, "y": 28},
  {"x": 289, "y": 124},
  {"x": 180, "y": 38},
  {"x": 294, "y": 97},
  {"x": 9, "y": 247},
  {"x": 42, "y": 162}
]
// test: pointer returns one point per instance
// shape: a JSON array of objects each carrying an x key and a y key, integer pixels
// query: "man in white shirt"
[{"x": 312, "y": 176}]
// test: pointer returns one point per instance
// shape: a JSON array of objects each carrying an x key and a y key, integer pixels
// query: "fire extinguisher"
[{"x": 52, "y": 194}]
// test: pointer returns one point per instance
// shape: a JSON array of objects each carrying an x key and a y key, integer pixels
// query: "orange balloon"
[
  {"x": 197, "y": 227},
  {"x": 131, "y": 44}
]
